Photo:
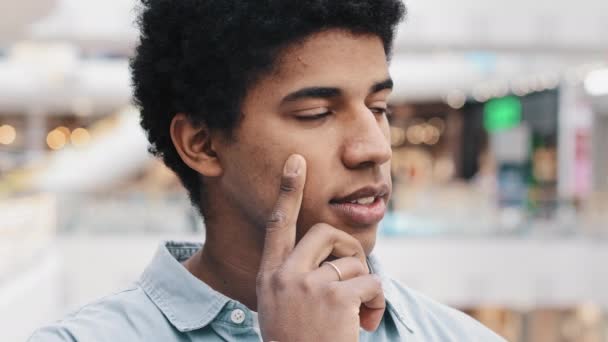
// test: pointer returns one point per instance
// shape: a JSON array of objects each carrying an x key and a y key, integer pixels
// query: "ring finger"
[{"x": 349, "y": 267}]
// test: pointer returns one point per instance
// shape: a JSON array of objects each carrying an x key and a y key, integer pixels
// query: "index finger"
[{"x": 281, "y": 226}]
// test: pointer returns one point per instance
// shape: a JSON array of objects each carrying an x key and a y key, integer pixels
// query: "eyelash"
[
  {"x": 374, "y": 110},
  {"x": 314, "y": 117},
  {"x": 380, "y": 111}
]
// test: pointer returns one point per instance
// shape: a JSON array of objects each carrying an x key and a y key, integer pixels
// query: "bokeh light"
[
  {"x": 56, "y": 139},
  {"x": 8, "y": 134}
]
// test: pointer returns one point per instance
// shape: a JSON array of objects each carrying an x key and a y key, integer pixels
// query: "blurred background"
[{"x": 500, "y": 204}]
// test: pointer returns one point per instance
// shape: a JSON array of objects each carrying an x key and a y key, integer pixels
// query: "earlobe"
[{"x": 194, "y": 145}]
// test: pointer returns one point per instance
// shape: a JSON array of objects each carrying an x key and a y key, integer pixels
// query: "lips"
[
  {"x": 364, "y": 207},
  {"x": 368, "y": 191}
]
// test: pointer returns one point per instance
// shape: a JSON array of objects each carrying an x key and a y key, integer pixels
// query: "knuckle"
[
  {"x": 357, "y": 248},
  {"x": 279, "y": 281},
  {"x": 277, "y": 219},
  {"x": 307, "y": 284},
  {"x": 288, "y": 184}
]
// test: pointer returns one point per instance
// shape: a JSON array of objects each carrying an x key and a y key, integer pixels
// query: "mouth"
[{"x": 363, "y": 207}]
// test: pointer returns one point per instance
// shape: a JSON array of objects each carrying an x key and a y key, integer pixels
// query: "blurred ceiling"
[
  {"x": 522, "y": 25},
  {"x": 17, "y": 16},
  {"x": 444, "y": 45},
  {"x": 92, "y": 24},
  {"x": 516, "y": 25}
]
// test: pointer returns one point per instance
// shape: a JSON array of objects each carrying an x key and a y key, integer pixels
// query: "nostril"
[{"x": 367, "y": 164}]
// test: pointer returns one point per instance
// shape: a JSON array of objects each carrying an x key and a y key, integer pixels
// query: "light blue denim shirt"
[{"x": 170, "y": 304}]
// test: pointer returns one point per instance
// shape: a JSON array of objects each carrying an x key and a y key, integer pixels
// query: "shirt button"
[{"x": 237, "y": 316}]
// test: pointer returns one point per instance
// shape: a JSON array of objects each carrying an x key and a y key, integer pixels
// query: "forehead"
[{"x": 331, "y": 57}]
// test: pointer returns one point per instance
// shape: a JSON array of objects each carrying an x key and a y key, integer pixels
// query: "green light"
[{"x": 502, "y": 113}]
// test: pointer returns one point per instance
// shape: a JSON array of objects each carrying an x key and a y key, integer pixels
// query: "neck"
[{"x": 230, "y": 260}]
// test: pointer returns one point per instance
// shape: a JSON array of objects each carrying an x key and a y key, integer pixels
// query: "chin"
[{"x": 367, "y": 242}]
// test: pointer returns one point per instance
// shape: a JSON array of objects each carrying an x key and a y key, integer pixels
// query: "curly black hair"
[{"x": 199, "y": 57}]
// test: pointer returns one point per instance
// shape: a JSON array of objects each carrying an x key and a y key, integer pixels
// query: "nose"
[{"x": 367, "y": 142}]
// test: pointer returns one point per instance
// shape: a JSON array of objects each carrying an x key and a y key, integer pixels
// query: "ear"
[{"x": 194, "y": 145}]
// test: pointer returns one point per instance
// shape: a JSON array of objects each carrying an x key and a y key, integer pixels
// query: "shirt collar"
[
  {"x": 187, "y": 302},
  {"x": 396, "y": 302},
  {"x": 190, "y": 304}
]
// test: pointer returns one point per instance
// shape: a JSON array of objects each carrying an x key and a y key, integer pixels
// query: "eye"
[
  {"x": 312, "y": 116},
  {"x": 380, "y": 110}
]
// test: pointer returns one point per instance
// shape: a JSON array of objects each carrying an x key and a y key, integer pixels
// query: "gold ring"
[{"x": 335, "y": 268}]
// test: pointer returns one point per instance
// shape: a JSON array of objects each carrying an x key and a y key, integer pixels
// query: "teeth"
[{"x": 365, "y": 200}]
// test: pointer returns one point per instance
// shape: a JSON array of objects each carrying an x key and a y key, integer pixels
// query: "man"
[{"x": 273, "y": 115}]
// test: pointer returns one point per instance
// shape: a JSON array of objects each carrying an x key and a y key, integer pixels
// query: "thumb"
[{"x": 281, "y": 225}]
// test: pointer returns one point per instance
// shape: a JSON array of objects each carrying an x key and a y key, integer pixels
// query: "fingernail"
[{"x": 292, "y": 166}]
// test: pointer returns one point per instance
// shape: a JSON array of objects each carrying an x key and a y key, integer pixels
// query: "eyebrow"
[
  {"x": 386, "y": 84},
  {"x": 312, "y": 92},
  {"x": 331, "y": 92}
]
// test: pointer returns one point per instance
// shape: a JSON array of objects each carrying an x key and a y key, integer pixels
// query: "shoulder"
[
  {"x": 128, "y": 315},
  {"x": 437, "y": 322}
]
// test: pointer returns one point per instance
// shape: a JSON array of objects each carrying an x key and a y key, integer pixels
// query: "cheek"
[
  {"x": 313, "y": 204},
  {"x": 253, "y": 180},
  {"x": 323, "y": 166}
]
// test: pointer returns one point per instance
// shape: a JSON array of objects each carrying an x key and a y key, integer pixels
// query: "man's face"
[{"x": 326, "y": 101}]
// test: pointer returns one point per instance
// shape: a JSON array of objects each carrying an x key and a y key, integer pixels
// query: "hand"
[{"x": 299, "y": 300}]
